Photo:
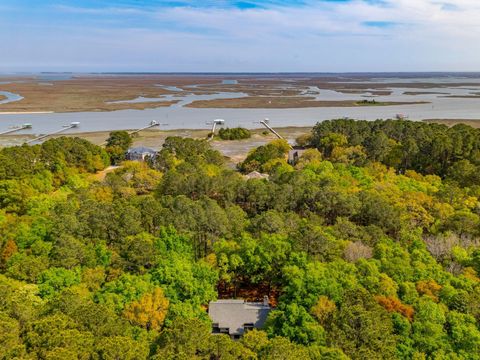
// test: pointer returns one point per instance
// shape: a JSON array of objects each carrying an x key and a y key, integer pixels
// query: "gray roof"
[
  {"x": 234, "y": 314},
  {"x": 141, "y": 150},
  {"x": 256, "y": 175}
]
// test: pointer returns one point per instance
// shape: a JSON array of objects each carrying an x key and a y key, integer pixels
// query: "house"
[
  {"x": 140, "y": 153},
  {"x": 234, "y": 317},
  {"x": 294, "y": 155}
]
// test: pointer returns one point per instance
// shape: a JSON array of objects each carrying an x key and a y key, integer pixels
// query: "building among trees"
[
  {"x": 234, "y": 317},
  {"x": 140, "y": 153},
  {"x": 294, "y": 155}
]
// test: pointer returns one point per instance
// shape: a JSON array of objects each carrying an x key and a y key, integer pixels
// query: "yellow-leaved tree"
[
  {"x": 323, "y": 309},
  {"x": 149, "y": 311}
]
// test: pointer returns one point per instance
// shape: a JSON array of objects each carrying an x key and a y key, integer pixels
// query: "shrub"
[{"x": 234, "y": 133}]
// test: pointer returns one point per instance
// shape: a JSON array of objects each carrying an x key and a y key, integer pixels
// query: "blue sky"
[{"x": 248, "y": 35}]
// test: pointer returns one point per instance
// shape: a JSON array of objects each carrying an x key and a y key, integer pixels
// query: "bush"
[{"x": 234, "y": 133}]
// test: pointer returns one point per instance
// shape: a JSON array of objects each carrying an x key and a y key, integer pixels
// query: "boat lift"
[
  {"x": 16, "y": 128},
  {"x": 72, "y": 125}
]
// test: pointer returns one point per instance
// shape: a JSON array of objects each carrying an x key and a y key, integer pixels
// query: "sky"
[{"x": 240, "y": 36}]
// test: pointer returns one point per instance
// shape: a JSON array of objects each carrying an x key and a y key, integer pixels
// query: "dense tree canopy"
[
  {"x": 427, "y": 148},
  {"x": 368, "y": 248}
]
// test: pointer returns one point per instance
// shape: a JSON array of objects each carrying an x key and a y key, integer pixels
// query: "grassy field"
[
  {"x": 92, "y": 93},
  {"x": 250, "y": 88},
  {"x": 88, "y": 94},
  {"x": 263, "y": 102}
]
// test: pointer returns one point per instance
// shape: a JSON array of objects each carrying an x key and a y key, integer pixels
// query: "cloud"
[
  {"x": 251, "y": 35},
  {"x": 279, "y": 16}
]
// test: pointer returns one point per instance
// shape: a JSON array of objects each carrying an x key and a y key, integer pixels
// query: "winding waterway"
[
  {"x": 178, "y": 116},
  {"x": 10, "y": 97}
]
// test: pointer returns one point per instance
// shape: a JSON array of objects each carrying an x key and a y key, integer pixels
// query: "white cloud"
[{"x": 320, "y": 36}]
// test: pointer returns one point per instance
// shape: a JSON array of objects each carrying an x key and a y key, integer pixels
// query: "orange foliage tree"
[
  {"x": 429, "y": 288},
  {"x": 9, "y": 249},
  {"x": 392, "y": 304},
  {"x": 149, "y": 311}
]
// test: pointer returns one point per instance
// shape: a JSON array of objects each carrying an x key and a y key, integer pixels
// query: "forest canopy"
[
  {"x": 368, "y": 247},
  {"x": 428, "y": 148}
]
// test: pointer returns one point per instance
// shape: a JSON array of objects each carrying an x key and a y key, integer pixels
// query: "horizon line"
[{"x": 232, "y": 72}]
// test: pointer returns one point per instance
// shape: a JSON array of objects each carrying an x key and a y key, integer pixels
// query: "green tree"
[
  {"x": 378, "y": 145},
  {"x": 258, "y": 157},
  {"x": 53, "y": 280},
  {"x": 331, "y": 141},
  {"x": 11, "y": 345},
  {"x": 117, "y": 145},
  {"x": 295, "y": 323},
  {"x": 57, "y": 334},
  {"x": 464, "y": 334},
  {"x": 428, "y": 328},
  {"x": 122, "y": 347},
  {"x": 185, "y": 339},
  {"x": 362, "y": 328},
  {"x": 281, "y": 348}
]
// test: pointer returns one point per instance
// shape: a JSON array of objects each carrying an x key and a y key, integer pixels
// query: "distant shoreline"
[
  {"x": 242, "y": 73},
  {"x": 25, "y": 112}
]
